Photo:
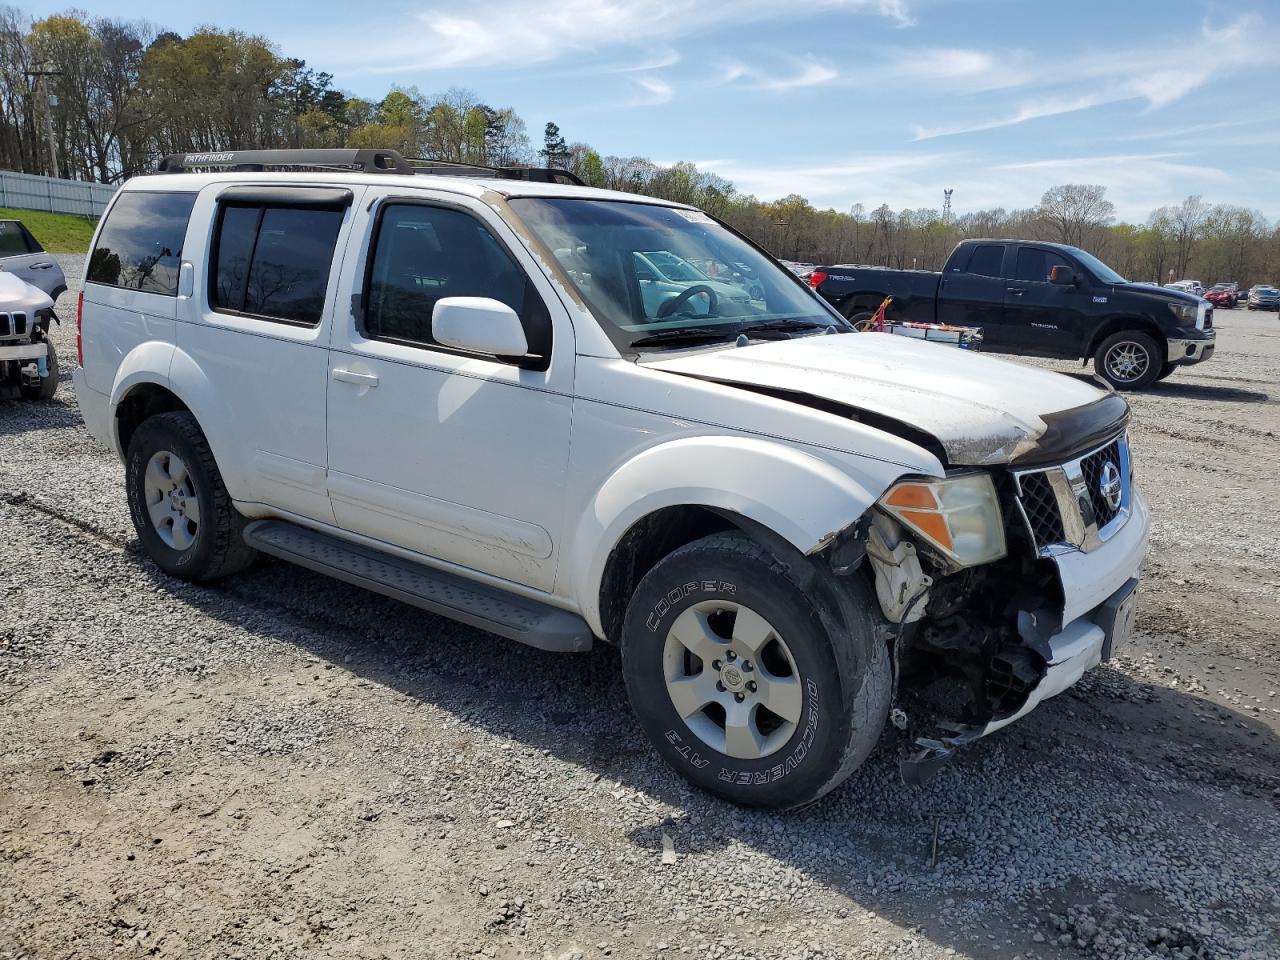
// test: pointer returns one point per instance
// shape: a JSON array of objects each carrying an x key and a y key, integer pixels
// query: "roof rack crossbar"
[{"x": 349, "y": 160}]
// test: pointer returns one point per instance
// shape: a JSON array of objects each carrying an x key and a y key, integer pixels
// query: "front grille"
[
  {"x": 1091, "y": 466},
  {"x": 1208, "y": 319},
  {"x": 1041, "y": 508},
  {"x": 13, "y": 324}
]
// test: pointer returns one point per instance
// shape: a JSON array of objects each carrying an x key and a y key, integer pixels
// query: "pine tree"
[{"x": 555, "y": 152}]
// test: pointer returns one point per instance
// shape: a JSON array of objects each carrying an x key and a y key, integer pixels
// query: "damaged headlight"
[{"x": 959, "y": 516}]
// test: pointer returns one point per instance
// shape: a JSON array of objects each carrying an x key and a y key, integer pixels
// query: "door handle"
[
  {"x": 343, "y": 375},
  {"x": 41, "y": 266},
  {"x": 1017, "y": 291}
]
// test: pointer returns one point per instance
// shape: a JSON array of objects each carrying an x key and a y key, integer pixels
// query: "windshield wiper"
[
  {"x": 783, "y": 326},
  {"x": 686, "y": 335}
]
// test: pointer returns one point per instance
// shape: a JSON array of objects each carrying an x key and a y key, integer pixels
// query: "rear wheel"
[
  {"x": 45, "y": 389},
  {"x": 178, "y": 503},
  {"x": 1129, "y": 360},
  {"x": 739, "y": 685},
  {"x": 862, "y": 320}
]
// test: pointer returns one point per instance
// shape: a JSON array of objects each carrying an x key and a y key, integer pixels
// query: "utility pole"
[{"x": 49, "y": 102}]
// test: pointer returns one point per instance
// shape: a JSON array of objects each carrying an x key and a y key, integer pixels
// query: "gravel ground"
[{"x": 285, "y": 766}]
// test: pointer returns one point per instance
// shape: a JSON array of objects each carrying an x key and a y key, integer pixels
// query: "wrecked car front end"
[{"x": 979, "y": 644}]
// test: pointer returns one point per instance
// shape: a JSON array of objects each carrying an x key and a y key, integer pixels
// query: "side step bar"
[{"x": 508, "y": 615}]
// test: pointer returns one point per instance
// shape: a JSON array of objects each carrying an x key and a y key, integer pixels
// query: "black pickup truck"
[{"x": 1039, "y": 299}]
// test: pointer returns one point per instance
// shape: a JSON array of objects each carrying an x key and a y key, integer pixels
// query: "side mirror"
[
  {"x": 1062, "y": 276},
  {"x": 478, "y": 325}
]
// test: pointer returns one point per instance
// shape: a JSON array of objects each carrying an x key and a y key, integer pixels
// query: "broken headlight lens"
[
  {"x": 1185, "y": 312},
  {"x": 959, "y": 516}
]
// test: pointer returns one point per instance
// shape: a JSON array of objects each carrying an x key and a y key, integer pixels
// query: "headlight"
[
  {"x": 1184, "y": 312},
  {"x": 960, "y": 516}
]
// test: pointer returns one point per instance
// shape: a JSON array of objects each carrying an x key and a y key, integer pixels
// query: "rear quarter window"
[{"x": 140, "y": 244}]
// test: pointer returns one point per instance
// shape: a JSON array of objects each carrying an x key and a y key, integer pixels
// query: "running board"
[{"x": 489, "y": 608}]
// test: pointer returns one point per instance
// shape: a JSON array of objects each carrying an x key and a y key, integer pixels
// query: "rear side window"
[
  {"x": 985, "y": 260},
  {"x": 273, "y": 262},
  {"x": 422, "y": 254},
  {"x": 14, "y": 241},
  {"x": 140, "y": 245},
  {"x": 1035, "y": 265}
]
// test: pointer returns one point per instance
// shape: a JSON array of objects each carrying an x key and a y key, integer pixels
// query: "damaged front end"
[{"x": 986, "y": 623}]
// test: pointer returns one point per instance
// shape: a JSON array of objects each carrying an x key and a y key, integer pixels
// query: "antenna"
[{"x": 946, "y": 205}]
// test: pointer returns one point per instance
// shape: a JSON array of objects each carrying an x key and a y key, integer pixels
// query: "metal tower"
[{"x": 946, "y": 205}]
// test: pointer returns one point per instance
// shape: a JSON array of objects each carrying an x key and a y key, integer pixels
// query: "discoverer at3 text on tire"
[
  {"x": 739, "y": 684},
  {"x": 178, "y": 502}
]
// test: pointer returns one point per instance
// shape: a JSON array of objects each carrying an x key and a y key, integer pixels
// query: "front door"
[
  {"x": 1042, "y": 317},
  {"x": 22, "y": 255},
  {"x": 459, "y": 457}
]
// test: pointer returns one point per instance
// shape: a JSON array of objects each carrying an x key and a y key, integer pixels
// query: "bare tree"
[{"x": 1072, "y": 211}]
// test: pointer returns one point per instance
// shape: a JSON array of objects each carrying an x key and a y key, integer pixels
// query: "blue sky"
[{"x": 844, "y": 101}]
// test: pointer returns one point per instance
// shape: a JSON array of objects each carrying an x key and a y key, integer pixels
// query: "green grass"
[{"x": 57, "y": 232}]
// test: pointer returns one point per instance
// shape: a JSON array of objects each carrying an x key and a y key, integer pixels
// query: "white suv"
[{"x": 456, "y": 391}]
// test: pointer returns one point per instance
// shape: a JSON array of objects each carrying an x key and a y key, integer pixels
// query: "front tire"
[
  {"x": 1167, "y": 370},
  {"x": 737, "y": 682},
  {"x": 179, "y": 504},
  {"x": 45, "y": 390},
  {"x": 1129, "y": 360}
]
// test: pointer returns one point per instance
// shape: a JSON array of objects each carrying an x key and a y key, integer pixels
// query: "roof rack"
[{"x": 347, "y": 161}]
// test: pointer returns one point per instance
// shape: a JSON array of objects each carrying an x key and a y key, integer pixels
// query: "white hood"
[
  {"x": 982, "y": 410},
  {"x": 16, "y": 295}
]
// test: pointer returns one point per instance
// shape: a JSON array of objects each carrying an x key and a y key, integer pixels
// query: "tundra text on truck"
[
  {"x": 1039, "y": 299},
  {"x": 458, "y": 391}
]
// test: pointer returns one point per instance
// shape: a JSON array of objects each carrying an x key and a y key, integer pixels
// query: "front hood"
[
  {"x": 16, "y": 295},
  {"x": 980, "y": 410},
  {"x": 1164, "y": 294}
]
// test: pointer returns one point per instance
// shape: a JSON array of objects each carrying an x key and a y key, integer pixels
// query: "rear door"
[
  {"x": 22, "y": 255},
  {"x": 257, "y": 329},
  {"x": 972, "y": 294},
  {"x": 1042, "y": 317}
]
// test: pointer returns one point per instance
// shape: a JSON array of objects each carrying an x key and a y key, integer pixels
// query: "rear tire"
[
  {"x": 861, "y": 320},
  {"x": 1129, "y": 360},
  {"x": 45, "y": 390},
  {"x": 774, "y": 712},
  {"x": 179, "y": 504}
]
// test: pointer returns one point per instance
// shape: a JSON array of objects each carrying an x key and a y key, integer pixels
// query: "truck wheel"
[
  {"x": 862, "y": 320},
  {"x": 178, "y": 503},
  {"x": 1129, "y": 360},
  {"x": 1167, "y": 370},
  {"x": 48, "y": 386},
  {"x": 739, "y": 685}
]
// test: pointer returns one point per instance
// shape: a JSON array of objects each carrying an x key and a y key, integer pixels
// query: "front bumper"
[
  {"x": 1187, "y": 351},
  {"x": 23, "y": 351}
]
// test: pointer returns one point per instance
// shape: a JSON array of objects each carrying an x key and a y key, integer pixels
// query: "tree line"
[{"x": 115, "y": 96}]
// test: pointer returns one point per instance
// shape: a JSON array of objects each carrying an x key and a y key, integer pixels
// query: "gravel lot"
[{"x": 285, "y": 766}]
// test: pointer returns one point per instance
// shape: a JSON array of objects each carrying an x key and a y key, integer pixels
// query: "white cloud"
[
  {"x": 802, "y": 73},
  {"x": 1159, "y": 73},
  {"x": 651, "y": 91},
  {"x": 514, "y": 33}
]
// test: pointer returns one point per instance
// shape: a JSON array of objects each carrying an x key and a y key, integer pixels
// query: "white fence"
[{"x": 29, "y": 192}]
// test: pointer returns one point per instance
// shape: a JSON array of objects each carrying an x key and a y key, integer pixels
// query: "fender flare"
[
  {"x": 1117, "y": 322},
  {"x": 171, "y": 367},
  {"x": 742, "y": 476}
]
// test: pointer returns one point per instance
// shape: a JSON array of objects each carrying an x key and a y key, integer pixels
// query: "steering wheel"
[{"x": 683, "y": 297}]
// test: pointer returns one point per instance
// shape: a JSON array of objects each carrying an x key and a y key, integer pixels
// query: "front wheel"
[
  {"x": 1129, "y": 360},
  {"x": 178, "y": 502},
  {"x": 44, "y": 389},
  {"x": 739, "y": 685},
  {"x": 1167, "y": 370}
]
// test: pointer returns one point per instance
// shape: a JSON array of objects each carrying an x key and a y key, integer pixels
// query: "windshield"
[
  {"x": 1097, "y": 267},
  {"x": 633, "y": 264}
]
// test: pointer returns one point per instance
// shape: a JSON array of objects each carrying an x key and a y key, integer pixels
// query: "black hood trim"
[{"x": 1078, "y": 430}]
